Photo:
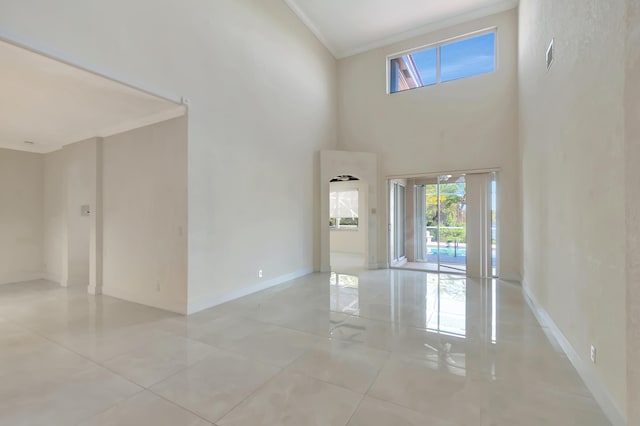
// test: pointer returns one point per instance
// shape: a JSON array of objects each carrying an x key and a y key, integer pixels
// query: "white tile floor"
[{"x": 384, "y": 348}]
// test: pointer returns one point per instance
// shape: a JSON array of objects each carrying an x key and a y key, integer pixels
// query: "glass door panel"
[
  {"x": 443, "y": 239},
  {"x": 445, "y": 242},
  {"x": 452, "y": 224},
  {"x": 400, "y": 221}
]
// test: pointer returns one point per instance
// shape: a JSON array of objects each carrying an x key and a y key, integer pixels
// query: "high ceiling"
[
  {"x": 51, "y": 104},
  {"x": 348, "y": 27}
]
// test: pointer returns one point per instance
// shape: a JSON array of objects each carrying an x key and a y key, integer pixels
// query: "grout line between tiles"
[
  {"x": 254, "y": 392},
  {"x": 179, "y": 406},
  {"x": 355, "y": 410},
  {"x": 92, "y": 416}
]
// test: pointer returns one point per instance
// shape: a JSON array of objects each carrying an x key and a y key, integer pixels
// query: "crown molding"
[
  {"x": 311, "y": 26},
  {"x": 430, "y": 27},
  {"x": 434, "y": 25}
]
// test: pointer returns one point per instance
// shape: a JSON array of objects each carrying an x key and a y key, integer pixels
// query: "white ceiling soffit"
[
  {"x": 350, "y": 27},
  {"x": 51, "y": 103}
]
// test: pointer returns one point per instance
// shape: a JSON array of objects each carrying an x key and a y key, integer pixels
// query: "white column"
[{"x": 95, "y": 234}]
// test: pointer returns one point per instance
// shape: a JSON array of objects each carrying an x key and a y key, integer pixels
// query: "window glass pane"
[
  {"x": 348, "y": 222},
  {"x": 394, "y": 76},
  {"x": 404, "y": 75},
  {"x": 468, "y": 57},
  {"x": 346, "y": 204},
  {"x": 333, "y": 204},
  {"x": 426, "y": 63},
  {"x": 343, "y": 207},
  {"x": 411, "y": 71}
]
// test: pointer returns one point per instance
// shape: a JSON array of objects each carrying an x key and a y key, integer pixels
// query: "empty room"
[{"x": 318, "y": 212}]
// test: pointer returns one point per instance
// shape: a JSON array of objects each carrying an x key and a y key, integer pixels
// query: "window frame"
[{"x": 437, "y": 45}]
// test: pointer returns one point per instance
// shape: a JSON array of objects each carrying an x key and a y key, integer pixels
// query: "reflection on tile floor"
[{"x": 387, "y": 347}]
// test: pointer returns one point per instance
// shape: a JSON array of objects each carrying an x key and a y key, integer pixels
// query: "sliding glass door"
[
  {"x": 444, "y": 246},
  {"x": 455, "y": 224}
]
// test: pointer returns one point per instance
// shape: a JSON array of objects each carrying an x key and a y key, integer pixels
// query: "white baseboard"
[
  {"x": 22, "y": 278},
  {"x": 203, "y": 303},
  {"x": 514, "y": 278},
  {"x": 134, "y": 297},
  {"x": 369, "y": 265},
  {"x": 584, "y": 369}
]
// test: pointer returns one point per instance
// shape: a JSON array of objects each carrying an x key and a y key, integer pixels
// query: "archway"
[{"x": 362, "y": 166}]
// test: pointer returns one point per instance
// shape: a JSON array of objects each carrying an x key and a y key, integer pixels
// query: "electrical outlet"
[
  {"x": 260, "y": 273},
  {"x": 593, "y": 354}
]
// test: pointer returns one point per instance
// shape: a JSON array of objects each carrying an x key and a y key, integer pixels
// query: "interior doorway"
[
  {"x": 445, "y": 223},
  {"x": 56, "y": 189},
  {"x": 348, "y": 223}
]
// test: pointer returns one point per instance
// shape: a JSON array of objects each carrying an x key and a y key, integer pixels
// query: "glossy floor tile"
[
  {"x": 374, "y": 412},
  {"x": 146, "y": 408},
  {"x": 386, "y": 347},
  {"x": 61, "y": 399},
  {"x": 345, "y": 364},
  {"x": 149, "y": 364},
  {"x": 297, "y": 400},
  {"x": 212, "y": 387}
]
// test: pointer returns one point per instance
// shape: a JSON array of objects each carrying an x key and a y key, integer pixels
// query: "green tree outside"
[{"x": 453, "y": 212}]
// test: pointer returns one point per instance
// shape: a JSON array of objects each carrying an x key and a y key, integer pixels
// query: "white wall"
[
  {"x": 81, "y": 189},
  {"x": 145, "y": 215},
  {"x": 573, "y": 180},
  {"x": 352, "y": 241},
  {"x": 632, "y": 183},
  {"x": 262, "y": 93},
  {"x": 55, "y": 216},
  {"x": 460, "y": 125},
  {"x": 253, "y": 164},
  {"x": 21, "y": 230}
]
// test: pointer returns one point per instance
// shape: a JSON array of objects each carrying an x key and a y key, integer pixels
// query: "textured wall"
[
  {"x": 21, "y": 230},
  {"x": 572, "y": 148},
  {"x": 632, "y": 182}
]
